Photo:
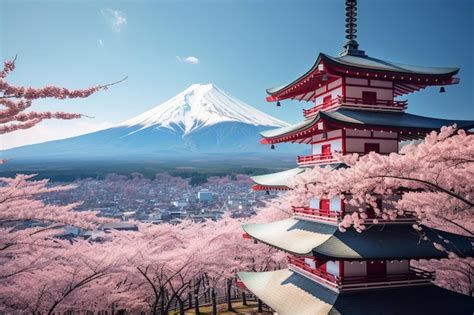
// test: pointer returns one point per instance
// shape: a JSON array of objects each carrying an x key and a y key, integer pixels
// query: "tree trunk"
[
  {"x": 190, "y": 300},
  {"x": 162, "y": 301},
  {"x": 244, "y": 299},
  {"x": 229, "y": 295},
  {"x": 196, "y": 305},
  {"x": 181, "y": 307},
  {"x": 214, "y": 303},
  {"x": 260, "y": 309}
]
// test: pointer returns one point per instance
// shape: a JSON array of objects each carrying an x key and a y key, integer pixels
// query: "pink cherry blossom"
[{"x": 15, "y": 100}]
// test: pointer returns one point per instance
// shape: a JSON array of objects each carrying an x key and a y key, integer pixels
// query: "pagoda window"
[
  {"x": 369, "y": 97},
  {"x": 376, "y": 268},
  {"x": 371, "y": 147}
]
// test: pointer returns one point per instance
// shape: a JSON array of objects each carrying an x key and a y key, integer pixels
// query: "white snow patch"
[{"x": 201, "y": 105}]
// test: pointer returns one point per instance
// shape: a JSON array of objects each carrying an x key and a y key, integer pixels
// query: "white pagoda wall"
[
  {"x": 334, "y": 94},
  {"x": 334, "y": 204},
  {"x": 332, "y": 267},
  {"x": 355, "y": 87},
  {"x": 336, "y": 144},
  {"x": 386, "y": 203},
  {"x": 310, "y": 262},
  {"x": 388, "y": 144}
]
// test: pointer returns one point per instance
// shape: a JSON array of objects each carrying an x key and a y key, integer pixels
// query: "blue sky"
[{"x": 242, "y": 46}]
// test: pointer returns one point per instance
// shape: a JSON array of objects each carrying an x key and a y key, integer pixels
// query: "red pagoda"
[{"x": 355, "y": 109}]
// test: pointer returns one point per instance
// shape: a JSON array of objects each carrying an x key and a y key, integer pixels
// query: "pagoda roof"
[
  {"x": 365, "y": 66},
  {"x": 288, "y": 292},
  {"x": 278, "y": 179},
  {"x": 390, "y": 241},
  {"x": 365, "y": 119}
]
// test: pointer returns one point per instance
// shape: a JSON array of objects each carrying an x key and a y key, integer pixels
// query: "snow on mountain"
[
  {"x": 201, "y": 105},
  {"x": 201, "y": 120}
]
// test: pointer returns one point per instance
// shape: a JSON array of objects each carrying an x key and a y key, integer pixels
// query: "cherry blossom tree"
[
  {"x": 40, "y": 271},
  {"x": 16, "y": 100},
  {"x": 434, "y": 179}
]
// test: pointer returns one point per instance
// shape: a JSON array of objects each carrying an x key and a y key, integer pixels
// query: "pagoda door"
[
  {"x": 327, "y": 101},
  {"x": 371, "y": 147},
  {"x": 370, "y": 210},
  {"x": 326, "y": 151},
  {"x": 324, "y": 206},
  {"x": 369, "y": 97},
  {"x": 376, "y": 269}
]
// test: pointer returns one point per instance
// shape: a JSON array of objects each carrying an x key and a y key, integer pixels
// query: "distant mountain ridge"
[{"x": 201, "y": 120}]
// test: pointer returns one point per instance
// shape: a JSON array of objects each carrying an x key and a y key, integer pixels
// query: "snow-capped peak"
[{"x": 202, "y": 105}]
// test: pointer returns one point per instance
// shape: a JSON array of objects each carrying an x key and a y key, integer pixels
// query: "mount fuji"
[{"x": 202, "y": 120}]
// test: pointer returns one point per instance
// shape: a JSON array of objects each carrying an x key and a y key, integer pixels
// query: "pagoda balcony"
[
  {"x": 336, "y": 216},
  {"x": 323, "y": 277},
  {"x": 317, "y": 214},
  {"x": 354, "y": 102},
  {"x": 414, "y": 276},
  {"x": 315, "y": 159}
]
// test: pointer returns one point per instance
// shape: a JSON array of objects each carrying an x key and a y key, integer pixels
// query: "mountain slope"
[
  {"x": 200, "y": 120},
  {"x": 201, "y": 106}
]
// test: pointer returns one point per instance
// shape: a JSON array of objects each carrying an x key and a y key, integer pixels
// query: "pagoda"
[{"x": 355, "y": 108}]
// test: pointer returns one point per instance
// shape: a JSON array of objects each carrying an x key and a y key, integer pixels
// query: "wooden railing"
[
  {"x": 323, "y": 215},
  {"x": 358, "y": 103},
  {"x": 316, "y": 159},
  {"x": 414, "y": 276},
  {"x": 326, "y": 277}
]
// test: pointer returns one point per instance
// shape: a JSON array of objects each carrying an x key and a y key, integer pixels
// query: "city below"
[{"x": 164, "y": 199}]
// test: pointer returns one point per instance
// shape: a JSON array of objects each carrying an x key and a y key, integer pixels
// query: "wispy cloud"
[
  {"x": 101, "y": 43},
  {"x": 190, "y": 59},
  {"x": 116, "y": 19}
]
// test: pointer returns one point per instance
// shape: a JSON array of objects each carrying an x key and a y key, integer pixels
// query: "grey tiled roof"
[
  {"x": 390, "y": 241},
  {"x": 370, "y": 118},
  {"x": 290, "y": 293},
  {"x": 374, "y": 64}
]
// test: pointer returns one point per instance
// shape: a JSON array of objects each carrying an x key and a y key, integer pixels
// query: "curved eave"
[
  {"x": 382, "y": 66},
  {"x": 290, "y": 293},
  {"x": 275, "y": 181},
  {"x": 291, "y": 235},
  {"x": 396, "y": 241},
  {"x": 279, "y": 134},
  {"x": 257, "y": 187},
  {"x": 282, "y": 291},
  {"x": 408, "y": 74},
  {"x": 413, "y": 126},
  {"x": 281, "y": 88},
  {"x": 386, "y": 242}
]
